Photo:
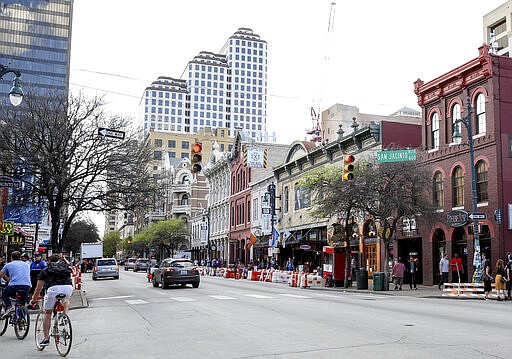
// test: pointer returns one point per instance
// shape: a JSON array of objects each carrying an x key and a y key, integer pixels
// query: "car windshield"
[
  {"x": 106, "y": 262},
  {"x": 182, "y": 264}
]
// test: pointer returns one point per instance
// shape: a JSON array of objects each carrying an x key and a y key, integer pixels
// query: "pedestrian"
[
  {"x": 17, "y": 275},
  {"x": 499, "y": 279},
  {"x": 398, "y": 274},
  {"x": 508, "y": 275},
  {"x": 457, "y": 268},
  {"x": 412, "y": 269},
  {"x": 289, "y": 265},
  {"x": 35, "y": 268},
  {"x": 444, "y": 269},
  {"x": 486, "y": 275}
]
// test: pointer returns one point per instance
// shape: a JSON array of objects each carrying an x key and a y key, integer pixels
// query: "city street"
[{"x": 226, "y": 318}]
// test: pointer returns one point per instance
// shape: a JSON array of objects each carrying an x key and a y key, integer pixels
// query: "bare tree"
[{"x": 55, "y": 140}]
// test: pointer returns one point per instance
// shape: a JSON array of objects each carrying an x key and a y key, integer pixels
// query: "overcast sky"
[{"x": 376, "y": 51}]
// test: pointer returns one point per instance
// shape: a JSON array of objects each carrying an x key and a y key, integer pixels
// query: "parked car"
[
  {"x": 130, "y": 263},
  {"x": 141, "y": 264},
  {"x": 105, "y": 267},
  {"x": 176, "y": 271}
]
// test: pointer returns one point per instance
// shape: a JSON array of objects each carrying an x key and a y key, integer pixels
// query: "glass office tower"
[{"x": 35, "y": 38}]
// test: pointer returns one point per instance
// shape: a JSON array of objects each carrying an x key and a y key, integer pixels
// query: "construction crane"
[{"x": 316, "y": 131}]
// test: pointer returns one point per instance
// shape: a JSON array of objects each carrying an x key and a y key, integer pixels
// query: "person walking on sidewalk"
[
  {"x": 444, "y": 269},
  {"x": 500, "y": 279},
  {"x": 457, "y": 268},
  {"x": 508, "y": 275},
  {"x": 412, "y": 267},
  {"x": 398, "y": 274}
]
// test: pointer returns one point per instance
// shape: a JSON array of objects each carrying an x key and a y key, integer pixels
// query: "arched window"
[
  {"x": 438, "y": 190},
  {"x": 455, "y": 124},
  {"x": 184, "y": 200},
  {"x": 458, "y": 187},
  {"x": 434, "y": 122},
  {"x": 482, "y": 181},
  {"x": 185, "y": 180},
  {"x": 480, "y": 114},
  {"x": 286, "y": 199}
]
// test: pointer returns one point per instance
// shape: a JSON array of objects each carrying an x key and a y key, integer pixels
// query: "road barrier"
[{"x": 467, "y": 290}]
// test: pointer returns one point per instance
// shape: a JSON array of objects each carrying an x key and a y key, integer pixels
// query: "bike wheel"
[
  {"x": 64, "y": 335},
  {"x": 39, "y": 333},
  {"x": 3, "y": 322},
  {"x": 22, "y": 325}
]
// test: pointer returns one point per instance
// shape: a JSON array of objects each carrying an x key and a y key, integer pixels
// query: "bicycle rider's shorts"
[{"x": 53, "y": 291}]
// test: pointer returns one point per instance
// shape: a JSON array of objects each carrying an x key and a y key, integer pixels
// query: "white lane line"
[
  {"x": 136, "y": 301},
  {"x": 221, "y": 297},
  {"x": 295, "y": 296},
  {"x": 258, "y": 296},
  {"x": 183, "y": 299},
  {"x": 118, "y": 297}
]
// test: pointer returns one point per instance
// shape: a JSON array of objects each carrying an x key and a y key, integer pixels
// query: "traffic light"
[
  {"x": 196, "y": 157},
  {"x": 272, "y": 194},
  {"x": 348, "y": 167}
]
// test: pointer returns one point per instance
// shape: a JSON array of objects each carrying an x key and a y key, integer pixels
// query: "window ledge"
[
  {"x": 482, "y": 204},
  {"x": 457, "y": 208},
  {"x": 433, "y": 150}
]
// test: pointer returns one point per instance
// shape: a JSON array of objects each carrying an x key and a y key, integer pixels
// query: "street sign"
[
  {"x": 456, "y": 218},
  {"x": 478, "y": 216},
  {"x": 8, "y": 228},
  {"x": 265, "y": 210},
  {"x": 106, "y": 132},
  {"x": 9, "y": 182},
  {"x": 396, "y": 156}
]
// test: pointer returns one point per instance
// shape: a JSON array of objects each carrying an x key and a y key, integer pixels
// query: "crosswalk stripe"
[
  {"x": 258, "y": 296},
  {"x": 295, "y": 296},
  {"x": 221, "y": 297},
  {"x": 136, "y": 301},
  {"x": 183, "y": 299}
]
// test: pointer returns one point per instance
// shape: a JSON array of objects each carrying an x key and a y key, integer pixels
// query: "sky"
[{"x": 369, "y": 57}]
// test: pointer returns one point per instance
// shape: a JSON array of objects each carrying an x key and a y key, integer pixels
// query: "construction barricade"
[
  {"x": 467, "y": 290},
  {"x": 311, "y": 280}
]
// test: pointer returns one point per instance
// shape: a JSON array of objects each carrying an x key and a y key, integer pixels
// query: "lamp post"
[
  {"x": 16, "y": 93},
  {"x": 207, "y": 217},
  {"x": 467, "y": 121}
]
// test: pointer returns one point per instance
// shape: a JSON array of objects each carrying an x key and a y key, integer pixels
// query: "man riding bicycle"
[
  {"x": 17, "y": 275},
  {"x": 56, "y": 279}
]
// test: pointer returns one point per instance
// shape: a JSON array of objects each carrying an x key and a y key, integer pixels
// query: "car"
[
  {"x": 141, "y": 264},
  {"x": 105, "y": 267},
  {"x": 173, "y": 271},
  {"x": 130, "y": 263}
]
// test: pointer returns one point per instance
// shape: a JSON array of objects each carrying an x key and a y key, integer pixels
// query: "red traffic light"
[
  {"x": 349, "y": 159},
  {"x": 197, "y": 148}
]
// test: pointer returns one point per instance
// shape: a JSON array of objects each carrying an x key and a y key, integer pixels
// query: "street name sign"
[
  {"x": 106, "y": 132},
  {"x": 478, "y": 216},
  {"x": 396, "y": 156},
  {"x": 8, "y": 182}
]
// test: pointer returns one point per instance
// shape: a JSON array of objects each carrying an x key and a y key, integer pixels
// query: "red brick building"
[{"x": 486, "y": 82}]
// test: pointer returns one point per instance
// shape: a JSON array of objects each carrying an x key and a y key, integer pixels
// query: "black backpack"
[{"x": 58, "y": 273}]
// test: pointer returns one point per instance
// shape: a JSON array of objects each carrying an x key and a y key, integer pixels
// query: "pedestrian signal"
[
  {"x": 348, "y": 167},
  {"x": 196, "y": 157}
]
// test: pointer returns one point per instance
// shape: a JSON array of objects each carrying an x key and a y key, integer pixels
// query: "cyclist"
[
  {"x": 56, "y": 279},
  {"x": 17, "y": 275}
]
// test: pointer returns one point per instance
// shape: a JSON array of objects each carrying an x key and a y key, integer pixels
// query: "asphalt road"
[{"x": 226, "y": 318}]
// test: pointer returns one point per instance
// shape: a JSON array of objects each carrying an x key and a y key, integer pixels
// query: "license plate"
[{"x": 183, "y": 272}]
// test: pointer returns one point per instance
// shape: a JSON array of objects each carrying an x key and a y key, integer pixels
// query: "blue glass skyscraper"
[{"x": 35, "y": 38}]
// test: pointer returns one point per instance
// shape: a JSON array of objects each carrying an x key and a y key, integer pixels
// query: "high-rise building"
[
  {"x": 35, "y": 38},
  {"x": 225, "y": 90},
  {"x": 498, "y": 29}
]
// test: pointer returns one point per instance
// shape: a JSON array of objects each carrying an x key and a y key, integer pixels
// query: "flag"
[
  {"x": 275, "y": 236},
  {"x": 252, "y": 240},
  {"x": 286, "y": 235}
]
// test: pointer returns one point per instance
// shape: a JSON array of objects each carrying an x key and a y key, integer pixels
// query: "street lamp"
[
  {"x": 206, "y": 216},
  {"x": 16, "y": 93},
  {"x": 467, "y": 121}
]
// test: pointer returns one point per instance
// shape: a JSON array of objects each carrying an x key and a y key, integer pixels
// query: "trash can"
[
  {"x": 362, "y": 278},
  {"x": 378, "y": 281}
]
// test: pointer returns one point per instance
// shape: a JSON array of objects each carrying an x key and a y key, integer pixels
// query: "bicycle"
[
  {"x": 19, "y": 318},
  {"x": 60, "y": 330}
]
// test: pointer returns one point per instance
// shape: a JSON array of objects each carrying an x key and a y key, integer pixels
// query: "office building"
[
  {"x": 497, "y": 29},
  {"x": 35, "y": 38}
]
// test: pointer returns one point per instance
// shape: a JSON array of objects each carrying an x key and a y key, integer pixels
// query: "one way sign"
[
  {"x": 106, "y": 132},
  {"x": 478, "y": 216}
]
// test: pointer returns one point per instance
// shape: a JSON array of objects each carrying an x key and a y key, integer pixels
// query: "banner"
[{"x": 252, "y": 240}]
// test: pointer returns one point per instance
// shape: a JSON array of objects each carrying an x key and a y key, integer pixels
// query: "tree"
[
  {"x": 73, "y": 169},
  {"x": 167, "y": 236},
  {"x": 111, "y": 241},
  {"x": 80, "y": 231}
]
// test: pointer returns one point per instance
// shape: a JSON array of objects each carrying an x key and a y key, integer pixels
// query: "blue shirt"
[{"x": 18, "y": 273}]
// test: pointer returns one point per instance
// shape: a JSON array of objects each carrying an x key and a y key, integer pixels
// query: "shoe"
[
  {"x": 415, "y": 288},
  {"x": 8, "y": 312},
  {"x": 44, "y": 343}
]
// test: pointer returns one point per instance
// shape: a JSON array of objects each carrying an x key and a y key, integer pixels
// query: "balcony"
[
  {"x": 181, "y": 187},
  {"x": 181, "y": 209}
]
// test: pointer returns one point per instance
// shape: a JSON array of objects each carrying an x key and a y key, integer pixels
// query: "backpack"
[{"x": 58, "y": 273}]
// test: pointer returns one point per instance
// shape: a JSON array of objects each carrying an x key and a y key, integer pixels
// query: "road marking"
[
  {"x": 295, "y": 296},
  {"x": 221, "y": 297},
  {"x": 136, "y": 301},
  {"x": 183, "y": 299},
  {"x": 118, "y": 297},
  {"x": 258, "y": 296}
]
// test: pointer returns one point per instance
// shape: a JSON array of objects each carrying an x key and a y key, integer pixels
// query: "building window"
[
  {"x": 286, "y": 199},
  {"x": 301, "y": 197},
  {"x": 158, "y": 142},
  {"x": 157, "y": 155},
  {"x": 481, "y": 182},
  {"x": 434, "y": 123},
  {"x": 458, "y": 187},
  {"x": 185, "y": 145},
  {"x": 171, "y": 144},
  {"x": 248, "y": 211},
  {"x": 184, "y": 200},
  {"x": 455, "y": 117},
  {"x": 480, "y": 114},
  {"x": 438, "y": 190},
  {"x": 255, "y": 209}
]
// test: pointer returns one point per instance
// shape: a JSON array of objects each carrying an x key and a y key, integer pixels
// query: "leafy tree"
[
  {"x": 111, "y": 241},
  {"x": 81, "y": 231},
  {"x": 167, "y": 236},
  {"x": 140, "y": 243},
  {"x": 73, "y": 169}
]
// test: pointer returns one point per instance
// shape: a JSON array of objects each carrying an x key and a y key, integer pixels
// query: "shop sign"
[
  {"x": 305, "y": 247},
  {"x": 457, "y": 218},
  {"x": 17, "y": 239}
]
